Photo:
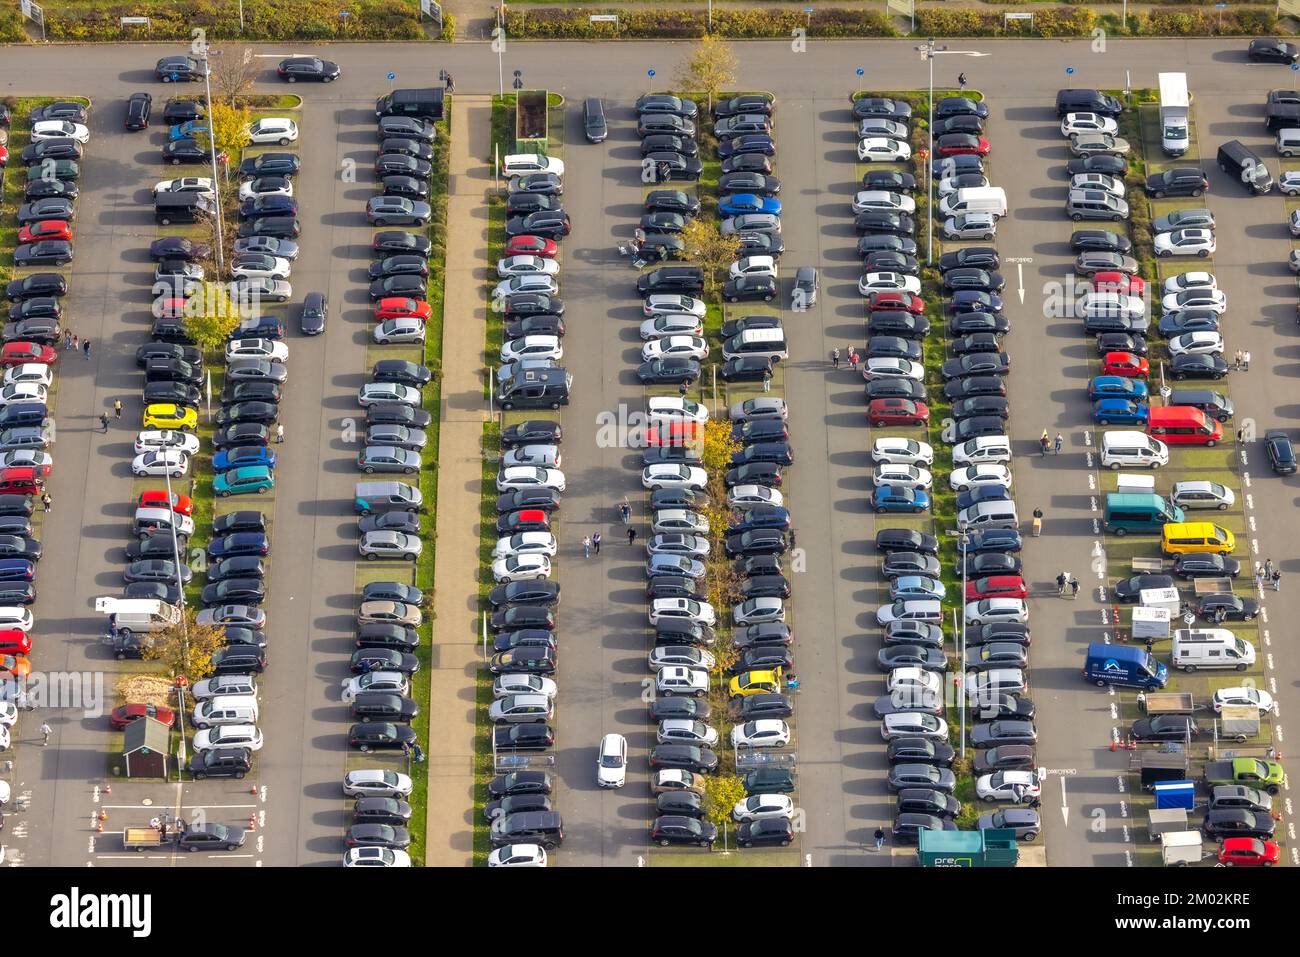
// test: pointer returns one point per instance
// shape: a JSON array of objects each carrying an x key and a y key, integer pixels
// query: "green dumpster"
[{"x": 995, "y": 847}]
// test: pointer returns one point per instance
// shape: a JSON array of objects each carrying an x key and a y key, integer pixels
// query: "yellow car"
[
  {"x": 164, "y": 415},
  {"x": 755, "y": 682}
]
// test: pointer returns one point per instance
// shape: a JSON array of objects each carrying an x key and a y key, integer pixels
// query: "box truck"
[{"x": 1175, "y": 114}]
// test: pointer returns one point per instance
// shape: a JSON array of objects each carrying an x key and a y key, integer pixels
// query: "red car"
[
  {"x": 20, "y": 480},
  {"x": 45, "y": 229},
  {"x": 124, "y": 715},
  {"x": 1249, "y": 852},
  {"x": 673, "y": 433},
  {"x": 19, "y": 353},
  {"x": 4, "y": 156},
  {"x": 997, "y": 586},
  {"x": 15, "y": 642},
  {"x": 525, "y": 520},
  {"x": 1125, "y": 364},
  {"x": 961, "y": 144},
  {"x": 1120, "y": 282},
  {"x": 531, "y": 246},
  {"x": 398, "y": 307},
  {"x": 896, "y": 301},
  {"x": 169, "y": 307},
  {"x": 897, "y": 412},
  {"x": 157, "y": 498}
]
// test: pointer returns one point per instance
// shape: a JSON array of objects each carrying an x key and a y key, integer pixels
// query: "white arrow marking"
[
  {"x": 1065, "y": 807},
  {"x": 1020, "y": 274}
]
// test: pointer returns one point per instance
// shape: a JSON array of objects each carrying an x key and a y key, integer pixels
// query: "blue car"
[
  {"x": 1117, "y": 387},
  {"x": 735, "y": 204},
  {"x": 242, "y": 455},
  {"x": 889, "y": 498},
  {"x": 1119, "y": 412},
  {"x": 238, "y": 543},
  {"x": 16, "y": 570},
  {"x": 992, "y": 540},
  {"x": 191, "y": 130}
]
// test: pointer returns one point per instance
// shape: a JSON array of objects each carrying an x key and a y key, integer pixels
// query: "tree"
[
  {"x": 722, "y": 792},
  {"x": 233, "y": 72},
  {"x": 230, "y": 130},
  {"x": 711, "y": 67},
  {"x": 211, "y": 315},
  {"x": 714, "y": 252},
  {"x": 721, "y": 581},
  {"x": 186, "y": 648}
]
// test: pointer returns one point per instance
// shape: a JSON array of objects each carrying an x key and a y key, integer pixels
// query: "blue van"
[
  {"x": 1138, "y": 512},
  {"x": 1127, "y": 665}
]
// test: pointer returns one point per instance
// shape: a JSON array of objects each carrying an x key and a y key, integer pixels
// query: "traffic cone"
[
  {"x": 103, "y": 815},
  {"x": 253, "y": 789},
  {"x": 252, "y": 822},
  {"x": 99, "y": 828},
  {"x": 108, "y": 789},
  {"x": 1112, "y": 744}
]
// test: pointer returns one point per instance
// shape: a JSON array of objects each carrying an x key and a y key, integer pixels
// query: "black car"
[
  {"x": 667, "y": 279},
  {"x": 897, "y": 564},
  {"x": 992, "y": 405},
  {"x": 185, "y": 151},
  {"x": 1221, "y": 606},
  {"x": 684, "y": 756},
  {"x": 760, "y": 143},
  {"x": 42, "y": 307},
  {"x": 377, "y": 634},
  {"x": 238, "y": 543},
  {"x": 887, "y": 179},
  {"x": 520, "y": 782},
  {"x": 394, "y": 521},
  {"x": 41, "y": 188},
  {"x": 1182, "y": 181},
  {"x": 769, "y": 781},
  {"x": 408, "y": 186},
  {"x": 960, "y": 165},
  {"x": 516, "y": 804},
  {"x": 157, "y": 546},
  {"x": 401, "y": 164},
  {"x": 1130, "y": 589},
  {"x": 877, "y": 221},
  {"x": 1188, "y": 320},
  {"x": 547, "y": 499},
  {"x": 392, "y": 242},
  {"x": 993, "y": 540},
  {"x": 669, "y": 165},
  {"x": 890, "y": 109},
  {"x": 669, "y": 143},
  {"x": 968, "y": 323},
  {"x": 920, "y": 751},
  {"x": 523, "y": 737},
  {"x": 677, "y": 829},
  {"x": 693, "y": 709},
  {"x": 882, "y": 260},
  {"x": 539, "y": 325},
  {"x": 763, "y": 541},
  {"x": 138, "y": 108},
  {"x": 910, "y": 656},
  {"x": 1107, "y": 163},
  {"x": 1135, "y": 343},
  {"x": 1005, "y": 731},
  {"x": 894, "y": 347},
  {"x": 548, "y": 224},
  {"x": 270, "y": 164},
  {"x": 45, "y": 331},
  {"x": 750, "y": 289},
  {"x": 1198, "y": 367},
  {"x": 747, "y": 182},
  {"x": 174, "y": 69},
  {"x": 663, "y": 103},
  {"x": 240, "y": 433},
  {"x": 669, "y": 370},
  {"x": 260, "y": 413},
  {"x": 749, "y": 103},
  {"x": 280, "y": 227},
  {"x": 905, "y": 539},
  {"x": 1272, "y": 50},
  {"x": 37, "y": 284},
  {"x": 982, "y": 364},
  {"x": 1280, "y": 452},
  {"x": 759, "y": 473},
  {"x": 242, "y": 591},
  {"x": 383, "y": 659},
  {"x": 963, "y": 123},
  {"x": 974, "y": 342},
  {"x": 396, "y": 413},
  {"x": 1237, "y": 822},
  {"x": 381, "y": 810},
  {"x": 897, "y": 322},
  {"x": 221, "y": 763},
  {"x": 44, "y": 151},
  {"x": 47, "y": 252},
  {"x": 766, "y": 832},
  {"x": 734, "y": 327},
  {"x": 1164, "y": 727},
  {"x": 747, "y": 163},
  {"x": 671, "y": 586},
  {"x": 767, "y": 704},
  {"x": 295, "y": 68},
  {"x": 764, "y": 632},
  {"x": 1099, "y": 240},
  {"x": 671, "y": 201},
  {"x": 928, "y": 801},
  {"x": 908, "y": 826},
  {"x": 683, "y": 803},
  {"x": 381, "y": 734}
]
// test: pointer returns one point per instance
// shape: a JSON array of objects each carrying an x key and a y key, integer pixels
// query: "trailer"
[
  {"x": 1180, "y": 848},
  {"x": 140, "y": 838},
  {"x": 1237, "y": 723},
  {"x": 1166, "y": 702},
  {"x": 1175, "y": 114},
  {"x": 1155, "y": 767},
  {"x": 1165, "y": 820}
]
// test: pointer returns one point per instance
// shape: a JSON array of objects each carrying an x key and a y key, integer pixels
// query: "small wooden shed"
[{"x": 144, "y": 748}]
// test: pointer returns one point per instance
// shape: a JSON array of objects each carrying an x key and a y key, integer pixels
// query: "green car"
[
  {"x": 251, "y": 478},
  {"x": 66, "y": 170}
]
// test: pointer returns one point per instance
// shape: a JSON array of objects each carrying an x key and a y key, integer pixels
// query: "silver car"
[
  {"x": 376, "y": 545},
  {"x": 404, "y": 330},
  {"x": 751, "y": 223},
  {"x": 397, "y": 435},
  {"x": 388, "y": 458},
  {"x": 1098, "y": 144},
  {"x": 1203, "y": 495},
  {"x": 760, "y": 407},
  {"x": 1183, "y": 219}
]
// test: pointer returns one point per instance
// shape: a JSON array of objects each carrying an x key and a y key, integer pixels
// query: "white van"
[
  {"x": 143, "y": 615},
  {"x": 225, "y": 709},
  {"x": 1211, "y": 648},
  {"x": 1137, "y": 484},
  {"x": 1132, "y": 450},
  {"x": 989, "y": 515},
  {"x": 767, "y": 343},
  {"x": 975, "y": 199}
]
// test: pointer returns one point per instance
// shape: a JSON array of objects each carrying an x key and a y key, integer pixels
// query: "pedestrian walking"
[
  {"x": 451, "y": 84},
  {"x": 1236, "y": 359},
  {"x": 279, "y": 434},
  {"x": 1044, "y": 442},
  {"x": 1277, "y": 580},
  {"x": 1259, "y": 575},
  {"x": 117, "y": 408},
  {"x": 1150, "y": 643},
  {"x": 67, "y": 339},
  {"x": 880, "y": 838},
  {"x": 1245, "y": 361},
  {"x": 767, "y": 380},
  {"x": 682, "y": 389},
  {"x": 46, "y": 730},
  {"x": 853, "y": 358},
  {"x": 1060, "y": 583},
  {"x": 586, "y": 546},
  {"x": 1074, "y": 588},
  {"x": 631, "y": 535},
  {"x": 625, "y": 511},
  {"x": 85, "y": 348},
  {"x": 46, "y": 502},
  {"x": 76, "y": 342},
  {"x": 835, "y": 357},
  {"x": 961, "y": 80},
  {"x": 103, "y": 422},
  {"x": 1268, "y": 568},
  {"x": 1058, "y": 443},
  {"x": 595, "y": 542},
  {"x": 1241, "y": 434}
]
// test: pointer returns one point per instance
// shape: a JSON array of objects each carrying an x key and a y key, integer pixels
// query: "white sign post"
[{"x": 33, "y": 12}]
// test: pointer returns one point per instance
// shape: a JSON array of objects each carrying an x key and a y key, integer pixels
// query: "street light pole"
[
  {"x": 212, "y": 148},
  {"x": 185, "y": 625},
  {"x": 963, "y": 544},
  {"x": 501, "y": 49},
  {"x": 929, "y": 179}
]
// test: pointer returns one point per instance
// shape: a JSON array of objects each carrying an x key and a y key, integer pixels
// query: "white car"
[
  {"x": 541, "y": 456},
  {"x": 898, "y": 475},
  {"x": 512, "y": 266},
  {"x": 914, "y": 681},
  {"x": 187, "y": 184},
  {"x": 23, "y": 392},
  {"x": 514, "y": 568},
  {"x": 229, "y": 736},
  {"x": 265, "y": 186},
  {"x": 763, "y": 733},
  {"x": 526, "y": 543},
  {"x": 1243, "y": 697},
  {"x": 763, "y": 806},
  {"x": 880, "y": 149},
  {"x": 1108, "y": 184},
  {"x": 33, "y": 373},
  {"x": 611, "y": 761},
  {"x": 374, "y": 782},
  {"x": 753, "y": 266},
  {"x": 679, "y": 520},
  {"x": 674, "y": 680},
  {"x": 670, "y": 408},
  {"x": 1289, "y": 182},
  {"x": 8, "y": 714},
  {"x": 518, "y": 855},
  {"x": 1185, "y": 242},
  {"x": 509, "y": 684},
  {"x": 1199, "y": 343},
  {"x": 407, "y": 329},
  {"x": 1087, "y": 123},
  {"x": 1096, "y": 305},
  {"x": 900, "y": 451},
  {"x": 753, "y": 611},
  {"x": 257, "y": 266},
  {"x": 393, "y": 681},
  {"x": 532, "y": 347},
  {"x": 530, "y": 283},
  {"x": 686, "y": 731},
  {"x": 989, "y": 610},
  {"x": 975, "y": 476},
  {"x": 376, "y": 857},
  {"x": 921, "y": 609},
  {"x": 888, "y": 282},
  {"x": 1212, "y": 299},
  {"x": 887, "y": 367},
  {"x": 5, "y": 739},
  {"x": 671, "y": 475},
  {"x": 913, "y": 725},
  {"x": 517, "y": 163},
  {"x": 748, "y": 496},
  {"x": 681, "y": 657},
  {"x": 883, "y": 199},
  {"x": 1190, "y": 280},
  {"x": 661, "y": 303},
  {"x": 671, "y": 324},
  {"x": 171, "y": 462},
  {"x": 985, "y": 448},
  {"x": 1201, "y": 494},
  {"x": 16, "y": 617},
  {"x": 682, "y": 609},
  {"x": 374, "y": 393},
  {"x": 272, "y": 129},
  {"x": 681, "y": 347},
  {"x": 59, "y": 129},
  {"x": 525, "y": 476},
  {"x": 269, "y": 349},
  {"x": 1014, "y": 786}
]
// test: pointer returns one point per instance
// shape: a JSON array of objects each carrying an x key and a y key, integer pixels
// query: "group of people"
[
  {"x": 1267, "y": 574},
  {"x": 74, "y": 342},
  {"x": 851, "y": 352},
  {"x": 1065, "y": 581},
  {"x": 1045, "y": 442}
]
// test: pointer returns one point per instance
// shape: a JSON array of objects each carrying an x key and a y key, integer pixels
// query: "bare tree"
[{"x": 233, "y": 72}]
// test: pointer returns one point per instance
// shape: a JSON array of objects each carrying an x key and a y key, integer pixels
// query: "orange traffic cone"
[
  {"x": 252, "y": 822},
  {"x": 108, "y": 789}
]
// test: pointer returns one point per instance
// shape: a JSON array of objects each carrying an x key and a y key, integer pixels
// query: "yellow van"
[{"x": 1184, "y": 538}]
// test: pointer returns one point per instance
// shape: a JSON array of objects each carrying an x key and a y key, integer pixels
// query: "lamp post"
[
  {"x": 185, "y": 625},
  {"x": 500, "y": 44},
  {"x": 962, "y": 544},
  {"x": 212, "y": 149}
]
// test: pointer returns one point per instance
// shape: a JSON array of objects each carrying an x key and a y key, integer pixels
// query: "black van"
[
  {"x": 24, "y": 413},
  {"x": 426, "y": 102},
  {"x": 1282, "y": 116},
  {"x": 529, "y": 827},
  {"x": 593, "y": 120},
  {"x": 1239, "y": 162},
  {"x": 1087, "y": 101},
  {"x": 171, "y": 208},
  {"x": 381, "y": 706},
  {"x": 535, "y": 389}
]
